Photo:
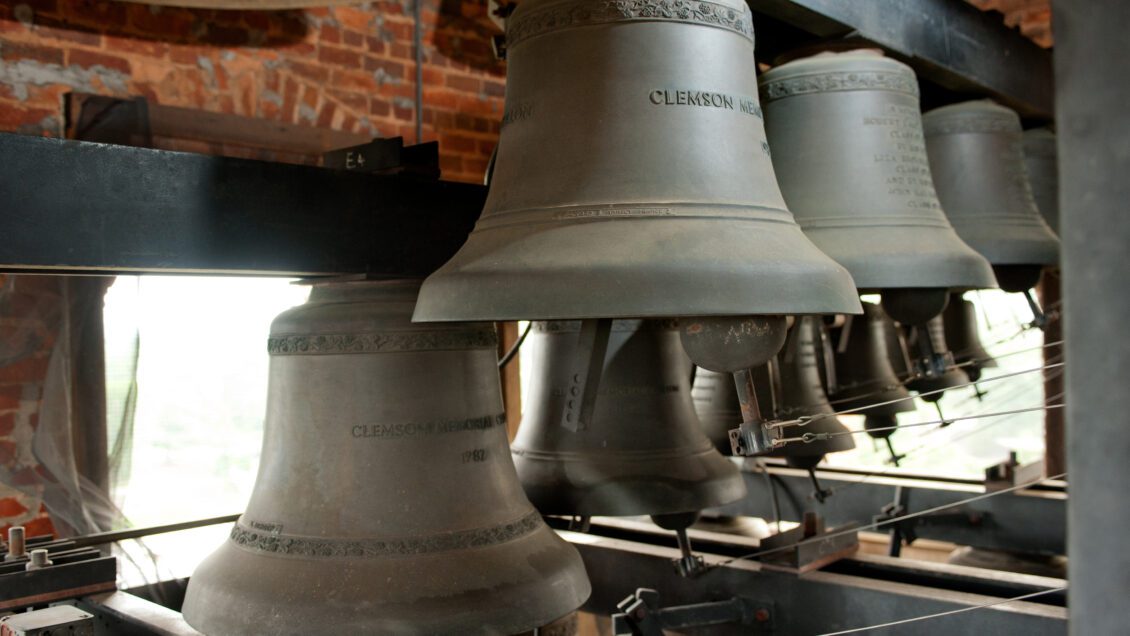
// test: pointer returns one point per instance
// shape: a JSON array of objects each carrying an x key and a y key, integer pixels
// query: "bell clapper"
[
  {"x": 588, "y": 365},
  {"x": 1039, "y": 318},
  {"x": 689, "y": 564},
  {"x": 820, "y": 494},
  {"x": 754, "y": 436}
]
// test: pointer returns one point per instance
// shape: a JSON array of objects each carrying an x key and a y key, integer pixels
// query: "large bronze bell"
[
  {"x": 977, "y": 157},
  {"x": 960, "y": 321},
  {"x": 1043, "y": 173},
  {"x": 633, "y": 177},
  {"x": 386, "y": 500},
  {"x": 644, "y": 453},
  {"x": 865, "y": 378},
  {"x": 849, "y": 154}
]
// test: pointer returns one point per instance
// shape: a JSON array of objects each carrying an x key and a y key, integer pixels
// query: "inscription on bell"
[
  {"x": 911, "y": 178},
  {"x": 707, "y": 99},
  {"x": 412, "y": 429}
]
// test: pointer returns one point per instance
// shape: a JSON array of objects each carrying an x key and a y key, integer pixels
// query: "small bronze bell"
[
  {"x": 977, "y": 157},
  {"x": 386, "y": 500},
  {"x": 846, "y": 134},
  {"x": 960, "y": 320},
  {"x": 1043, "y": 173},
  {"x": 865, "y": 377},
  {"x": 644, "y": 452},
  {"x": 633, "y": 177},
  {"x": 802, "y": 396}
]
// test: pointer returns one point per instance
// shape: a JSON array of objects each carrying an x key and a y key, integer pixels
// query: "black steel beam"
[
  {"x": 815, "y": 603},
  {"x": 950, "y": 44},
  {"x": 1093, "y": 141},
  {"x": 1026, "y": 521},
  {"x": 80, "y": 207}
]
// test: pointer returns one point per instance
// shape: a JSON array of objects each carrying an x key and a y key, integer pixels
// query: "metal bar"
[
  {"x": 1026, "y": 521},
  {"x": 79, "y": 207},
  {"x": 1092, "y": 138},
  {"x": 815, "y": 603},
  {"x": 951, "y": 44},
  {"x": 103, "y": 538}
]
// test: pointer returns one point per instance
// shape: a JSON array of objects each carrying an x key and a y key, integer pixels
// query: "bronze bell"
[
  {"x": 960, "y": 321},
  {"x": 865, "y": 377},
  {"x": 977, "y": 157},
  {"x": 926, "y": 382},
  {"x": 787, "y": 389},
  {"x": 1043, "y": 173},
  {"x": 633, "y": 177},
  {"x": 848, "y": 150},
  {"x": 644, "y": 452},
  {"x": 386, "y": 500},
  {"x": 802, "y": 395}
]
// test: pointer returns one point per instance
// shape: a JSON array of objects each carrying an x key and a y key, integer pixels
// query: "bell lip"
[
  {"x": 593, "y": 494},
  {"x": 560, "y": 591}
]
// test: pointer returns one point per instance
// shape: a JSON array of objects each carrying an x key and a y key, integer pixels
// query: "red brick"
[
  {"x": 494, "y": 88},
  {"x": 325, "y": 118},
  {"x": 11, "y": 118},
  {"x": 7, "y": 424},
  {"x": 402, "y": 113},
  {"x": 16, "y": 51},
  {"x": 401, "y": 51},
  {"x": 391, "y": 69},
  {"x": 10, "y": 397},
  {"x": 375, "y": 45},
  {"x": 357, "y": 102},
  {"x": 380, "y": 108},
  {"x": 95, "y": 13},
  {"x": 330, "y": 34},
  {"x": 463, "y": 83},
  {"x": 69, "y": 35},
  {"x": 353, "y": 38},
  {"x": 457, "y": 143},
  {"x": 310, "y": 97},
  {"x": 356, "y": 81},
  {"x": 169, "y": 23},
  {"x": 148, "y": 48},
  {"x": 450, "y": 163},
  {"x": 88, "y": 59},
  {"x": 290, "y": 99},
  {"x": 11, "y": 507},
  {"x": 312, "y": 72},
  {"x": 356, "y": 19},
  {"x": 340, "y": 57},
  {"x": 401, "y": 30},
  {"x": 226, "y": 35}
]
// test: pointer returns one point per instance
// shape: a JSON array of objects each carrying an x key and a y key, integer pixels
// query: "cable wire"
[
  {"x": 514, "y": 347},
  {"x": 947, "y": 613}
]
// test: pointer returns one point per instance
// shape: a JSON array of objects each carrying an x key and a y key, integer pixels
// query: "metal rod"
[
  {"x": 418, "y": 43},
  {"x": 102, "y": 538}
]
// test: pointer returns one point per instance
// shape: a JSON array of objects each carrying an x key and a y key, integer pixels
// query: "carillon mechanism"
[
  {"x": 344, "y": 533},
  {"x": 976, "y": 152},
  {"x": 644, "y": 451}
]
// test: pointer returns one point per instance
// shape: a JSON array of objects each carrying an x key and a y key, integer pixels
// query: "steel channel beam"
[
  {"x": 1025, "y": 521},
  {"x": 951, "y": 44},
  {"x": 1093, "y": 138},
  {"x": 80, "y": 207},
  {"x": 815, "y": 603}
]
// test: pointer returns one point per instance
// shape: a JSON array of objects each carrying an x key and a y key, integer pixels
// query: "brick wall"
[{"x": 346, "y": 68}]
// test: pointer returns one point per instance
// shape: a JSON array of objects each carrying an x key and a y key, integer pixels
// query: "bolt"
[
  {"x": 38, "y": 560},
  {"x": 17, "y": 548}
]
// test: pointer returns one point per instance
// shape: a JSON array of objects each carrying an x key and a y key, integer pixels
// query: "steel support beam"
[
  {"x": 815, "y": 603},
  {"x": 1093, "y": 141},
  {"x": 951, "y": 44},
  {"x": 1028, "y": 520},
  {"x": 80, "y": 207}
]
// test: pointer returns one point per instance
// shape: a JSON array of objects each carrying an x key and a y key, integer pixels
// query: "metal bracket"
[
  {"x": 810, "y": 545},
  {"x": 641, "y": 615},
  {"x": 1011, "y": 473},
  {"x": 387, "y": 156},
  {"x": 588, "y": 366},
  {"x": 754, "y": 436}
]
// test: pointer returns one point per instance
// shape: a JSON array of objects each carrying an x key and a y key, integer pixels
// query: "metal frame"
[
  {"x": 80, "y": 208},
  {"x": 1032, "y": 520}
]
